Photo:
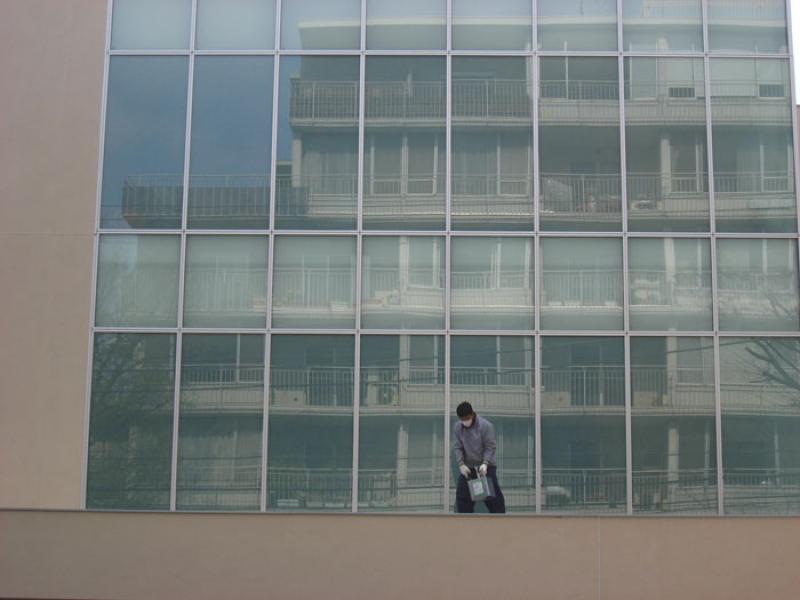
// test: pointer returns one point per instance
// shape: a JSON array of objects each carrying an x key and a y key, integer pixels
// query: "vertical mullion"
[
  {"x": 534, "y": 23},
  {"x": 267, "y": 374},
  {"x": 628, "y": 428},
  {"x": 535, "y": 139},
  {"x": 448, "y": 168},
  {"x": 718, "y": 424},
  {"x": 447, "y": 370},
  {"x": 537, "y": 419}
]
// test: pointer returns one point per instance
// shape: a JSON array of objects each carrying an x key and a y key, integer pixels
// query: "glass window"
[
  {"x": 673, "y": 425},
  {"x": 751, "y": 115},
  {"x": 231, "y": 142},
  {"x": 760, "y": 393},
  {"x": 130, "y": 427},
  {"x": 151, "y": 24},
  {"x": 235, "y": 24},
  {"x": 137, "y": 281},
  {"x": 758, "y": 285},
  {"x": 402, "y": 284},
  {"x": 492, "y": 146},
  {"x": 662, "y": 27},
  {"x": 311, "y": 423},
  {"x": 315, "y": 25},
  {"x": 408, "y": 25},
  {"x": 314, "y": 282},
  {"x": 583, "y": 425},
  {"x": 499, "y": 25},
  {"x": 747, "y": 26},
  {"x": 581, "y": 284},
  {"x": 670, "y": 284},
  {"x": 491, "y": 283},
  {"x": 317, "y": 167},
  {"x": 568, "y": 25},
  {"x": 579, "y": 161},
  {"x": 495, "y": 375},
  {"x": 144, "y": 144},
  {"x": 404, "y": 142},
  {"x": 665, "y": 128},
  {"x": 401, "y": 432},
  {"x": 221, "y": 410},
  {"x": 226, "y": 281}
]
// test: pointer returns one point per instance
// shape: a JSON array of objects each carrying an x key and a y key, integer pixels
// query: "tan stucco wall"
[{"x": 51, "y": 71}]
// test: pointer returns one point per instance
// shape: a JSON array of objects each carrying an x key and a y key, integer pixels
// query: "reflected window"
[
  {"x": 744, "y": 26},
  {"x": 663, "y": 26},
  {"x": 315, "y": 25},
  {"x": 151, "y": 24},
  {"x": 407, "y": 25},
  {"x": 235, "y": 24},
  {"x": 568, "y": 25},
  {"x": 499, "y": 25}
]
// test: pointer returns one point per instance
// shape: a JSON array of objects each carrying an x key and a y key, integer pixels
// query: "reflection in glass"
[
  {"x": 751, "y": 115},
  {"x": 235, "y": 24},
  {"x": 221, "y": 410},
  {"x": 130, "y": 428},
  {"x": 582, "y": 285},
  {"x": 663, "y": 26},
  {"x": 226, "y": 281},
  {"x": 404, "y": 142},
  {"x": 144, "y": 143},
  {"x": 670, "y": 284},
  {"x": 151, "y": 24},
  {"x": 583, "y": 425},
  {"x": 317, "y": 167},
  {"x": 673, "y": 425},
  {"x": 231, "y": 142},
  {"x": 315, "y": 25},
  {"x": 579, "y": 158},
  {"x": 137, "y": 281},
  {"x": 570, "y": 25},
  {"x": 492, "y": 283},
  {"x": 311, "y": 423},
  {"x": 747, "y": 26},
  {"x": 492, "y": 146},
  {"x": 314, "y": 282},
  {"x": 495, "y": 375},
  {"x": 760, "y": 389},
  {"x": 758, "y": 285},
  {"x": 665, "y": 116},
  {"x": 401, "y": 432},
  {"x": 402, "y": 285},
  {"x": 407, "y": 25},
  {"x": 498, "y": 25}
]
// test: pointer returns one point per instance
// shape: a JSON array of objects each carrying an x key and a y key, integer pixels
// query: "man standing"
[{"x": 474, "y": 444}]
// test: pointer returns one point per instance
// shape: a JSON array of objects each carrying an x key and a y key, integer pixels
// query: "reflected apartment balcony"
[
  {"x": 493, "y": 196},
  {"x": 678, "y": 197},
  {"x": 766, "y": 298},
  {"x": 389, "y": 294},
  {"x": 761, "y": 396},
  {"x": 311, "y": 390},
  {"x": 755, "y": 104},
  {"x": 416, "y": 199},
  {"x": 236, "y": 292},
  {"x": 214, "y": 483},
  {"x": 671, "y": 392},
  {"x": 583, "y": 197},
  {"x": 328, "y": 198},
  {"x": 681, "y": 490},
  {"x": 149, "y": 200},
  {"x": 314, "y": 293},
  {"x": 309, "y": 488},
  {"x": 596, "y": 291},
  {"x": 584, "y": 490},
  {"x": 214, "y": 388},
  {"x": 658, "y": 103},
  {"x": 762, "y": 491},
  {"x": 505, "y": 294},
  {"x": 579, "y": 103},
  {"x": 583, "y": 389},
  {"x": 680, "y": 295}
]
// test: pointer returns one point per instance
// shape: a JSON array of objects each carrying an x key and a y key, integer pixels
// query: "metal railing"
[
  {"x": 594, "y": 287},
  {"x": 226, "y": 289},
  {"x": 593, "y": 489},
  {"x": 312, "y": 387},
  {"x": 328, "y": 288},
  {"x": 747, "y": 10},
  {"x": 588, "y": 385},
  {"x": 578, "y": 90},
  {"x": 581, "y": 193},
  {"x": 688, "y": 290}
]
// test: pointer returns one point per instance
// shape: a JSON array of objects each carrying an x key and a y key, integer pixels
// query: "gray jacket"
[{"x": 475, "y": 445}]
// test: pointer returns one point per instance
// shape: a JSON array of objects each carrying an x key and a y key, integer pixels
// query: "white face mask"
[{"x": 469, "y": 423}]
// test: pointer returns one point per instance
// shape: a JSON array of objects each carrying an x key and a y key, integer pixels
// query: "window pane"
[
  {"x": 492, "y": 147},
  {"x": 747, "y": 26},
  {"x": 758, "y": 285},
  {"x": 408, "y": 25},
  {"x": 315, "y": 25},
  {"x": 665, "y": 116},
  {"x": 670, "y": 284},
  {"x": 500, "y": 25},
  {"x": 317, "y": 169},
  {"x": 235, "y": 24},
  {"x": 760, "y": 391},
  {"x": 231, "y": 142},
  {"x": 130, "y": 429},
  {"x": 577, "y": 24},
  {"x": 583, "y": 425},
  {"x": 579, "y": 160},
  {"x": 137, "y": 281},
  {"x": 145, "y": 140},
  {"x": 581, "y": 284},
  {"x": 495, "y": 375},
  {"x": 492, "y": 283},
  {"x": 402, "y": 285},
  {"x": 151, "y": 24},
  {"x": 314, "y": 282},
  {"x": 673, "y": 425},
  {"x": 226, "y": 281},
  {"x": 663, "y": 27},
  {"x": 401, "y": 433},
  {"x": 219, "y": 440},
  {"x": 751, "y": 114},
  {"x": 404, "y": 143},
  {"x": 311, "y": 423}
]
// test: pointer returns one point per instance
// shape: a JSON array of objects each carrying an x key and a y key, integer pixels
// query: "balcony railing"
[
  {"x": 578, "y": 90},
  {"x": 747, "y": 10},
  {"x": 312, "y": 387},
  {"x": 584, "y": 386},
  {"x": 597, "y": 287},
  {"x": 226, "y": 289},
  {"x": 767, "y": 182},
  {"x": 688, "y": 290},
  {"x": 684, "y": 490},
  {"x": 323, "y": 288},
  {"x": 598, "y": 194},
  {"x": 593, "y": 489}
]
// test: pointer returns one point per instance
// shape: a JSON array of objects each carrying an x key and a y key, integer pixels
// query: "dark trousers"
[{"x": 495, "y": 504}]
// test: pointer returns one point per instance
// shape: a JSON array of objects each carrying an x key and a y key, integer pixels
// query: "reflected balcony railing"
[
  {"x": 763, "y": 491},
  {"x": 393, "y": 186},
  {"x": 666, "y": 9},
  {"x": 314, "y": 288},
  {"x": 578, "y": 90},
  {"x": 595, "y": 489},
  {"x": 747, "y": 11},
  {"x": 590, "y": 196},
  {"x": 491, "y": 98},
  {"x": 320, "y": 196},
  {"x": 683, "y": 490},
  {"x": 673, "y": 389},
  {"x": 138, "y": 294},
  {"x": 222, "y": 196},
  {"x": 680, "y": 290},
  {"x": 231, "y": 473},
  {"x": 215, "y": 387},
  {"x": 152, "y": 198},
  {"x": 677, "y": 194},
  {"x": 759, "y": 182},
  {"x": 309, "y": 488},
  {"x": 312, "y": 387},
  {"x": 226, "y": 289},
  {"x": 583, "y": 386},
  {"x": 400, "y": 100},
  {"x": 586, "y": 288}
]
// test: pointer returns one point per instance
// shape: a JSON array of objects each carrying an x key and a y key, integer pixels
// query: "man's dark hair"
[{"x": 464, "y": 410}]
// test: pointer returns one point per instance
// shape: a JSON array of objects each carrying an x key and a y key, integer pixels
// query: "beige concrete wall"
[
  {"x": 107, "y": 555},
  {"x": 51, "y": 69}
]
